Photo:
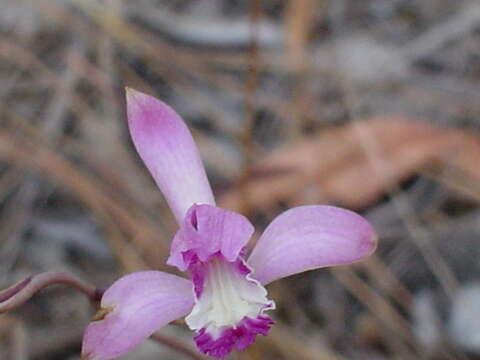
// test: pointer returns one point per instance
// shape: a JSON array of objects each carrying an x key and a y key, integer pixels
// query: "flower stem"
[
  {"x": 19, "y": 293},
  {"x": 177, "y": 345}
]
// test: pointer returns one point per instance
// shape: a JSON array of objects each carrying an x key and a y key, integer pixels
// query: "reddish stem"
[{"x": 19, "y": 293}]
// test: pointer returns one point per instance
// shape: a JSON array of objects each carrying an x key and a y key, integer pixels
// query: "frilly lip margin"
[{"x": 238, "y": 337}]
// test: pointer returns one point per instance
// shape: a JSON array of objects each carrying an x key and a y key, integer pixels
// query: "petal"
[
  {"x": 166, "y": 146},
  {"x": 139, "y": 304},
  {"x": 229, "y": 307},
  {"x": 206, "y": 231},
  {"x": 310, "y": 237}
]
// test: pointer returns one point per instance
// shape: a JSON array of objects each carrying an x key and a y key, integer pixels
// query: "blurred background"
[{"x": 372, "y": 105}]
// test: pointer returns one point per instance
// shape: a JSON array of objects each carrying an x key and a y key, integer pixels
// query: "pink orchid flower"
[{"x": 224, "y": 299}]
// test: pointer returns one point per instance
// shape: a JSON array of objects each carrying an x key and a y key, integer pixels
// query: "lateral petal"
[
  {"x": 310, "y": 237},
  {"x": 133, "y": 308}
]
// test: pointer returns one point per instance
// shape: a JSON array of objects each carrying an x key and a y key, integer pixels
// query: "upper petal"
[
  {"x": 166, "y": 146},
  {"x": 207, "y": 231},
  {"x": 309, "y": 237},
  {"x": 136, "y": 305}
]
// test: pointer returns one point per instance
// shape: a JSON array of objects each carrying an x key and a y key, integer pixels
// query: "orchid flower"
[{"x": 224, "y": 298}]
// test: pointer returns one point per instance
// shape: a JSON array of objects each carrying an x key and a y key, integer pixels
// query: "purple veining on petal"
[
  {"x": 206, "y": 231},
  {"x": 238, "y": 337},
  {"x": 229, "y": 306},
  {"x": 199, "y": 269},
  {"x": 241, "y": 265},
  {"x": 198, "y": 272}
]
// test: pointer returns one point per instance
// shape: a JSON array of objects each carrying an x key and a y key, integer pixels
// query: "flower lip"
[
  {"x": 225, "y": 295},
  {"x": 229, "y": 306},
  {"x": 210, "y": 244}
]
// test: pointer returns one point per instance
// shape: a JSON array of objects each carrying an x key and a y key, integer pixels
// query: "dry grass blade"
[
  {"x": 141, "y": 233},
  {"x": 385, "y": 280},
  {"x": 281, "y": 338},
  {"x": 16, "y": 332},
  {"x": 299, "y": 21},
  {"x": 177, "y": 345},
  {"x": 398, "y": 330},
  {"x": 329, "y": 166},
  {"x": 383, "y": 170}
]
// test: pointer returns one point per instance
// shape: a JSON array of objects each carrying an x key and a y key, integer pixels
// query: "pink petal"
[
  {"x": 208, "y": 231},
  {"x": 166, "y": 146},
  {"x": 310, "y": 237},
  {"x": 140, "y": 303}
]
